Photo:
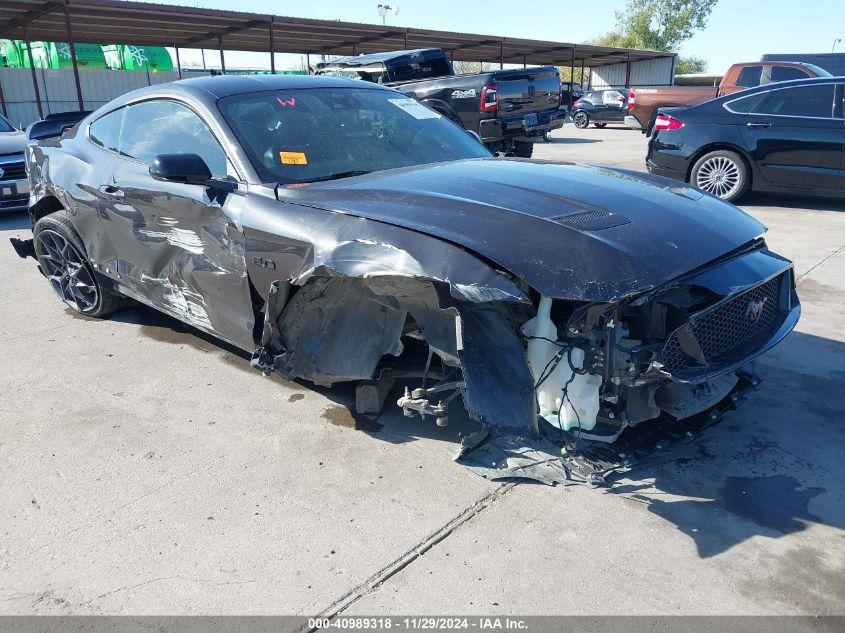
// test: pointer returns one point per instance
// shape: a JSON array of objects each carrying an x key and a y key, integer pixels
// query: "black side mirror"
[{"x": 188, "y": 168}]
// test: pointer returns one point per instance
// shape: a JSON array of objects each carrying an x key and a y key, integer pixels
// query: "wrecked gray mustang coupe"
[{"x": 345, "y": 232}]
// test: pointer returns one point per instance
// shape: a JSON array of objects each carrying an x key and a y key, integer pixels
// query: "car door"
[
  {"x": 795, "y": 135},
  {"x": 176, "y": 245},
  {"x": 598, "y": 109},
  {"x": 613, "y": 103}
]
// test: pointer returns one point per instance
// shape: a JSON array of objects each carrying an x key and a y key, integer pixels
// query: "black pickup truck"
[{"x": 509, "y": 109}]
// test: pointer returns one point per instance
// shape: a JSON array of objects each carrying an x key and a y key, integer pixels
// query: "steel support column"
[
  {"x": 222, "y": 56},
  {"x": 501, "y": 54},
  {"x": 628, "y": 70},
  {"x": 34, "y": 77},
  {"x": 3, "y": 101},
  {"x": 308, "y": 62},
  {"x": 572, "y": 70},
  {"x": 272, "y": 48},
  {"x": 72, "y": 43},
  {"x": 178, "y": 62},
  {"x": 406, "y": 39}
]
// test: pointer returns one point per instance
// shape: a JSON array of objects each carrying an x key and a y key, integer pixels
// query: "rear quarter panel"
[{"x": 70, "y": 169}]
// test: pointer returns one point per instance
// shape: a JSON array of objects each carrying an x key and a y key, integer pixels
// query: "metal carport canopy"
[{"x": 119, "y": 22}]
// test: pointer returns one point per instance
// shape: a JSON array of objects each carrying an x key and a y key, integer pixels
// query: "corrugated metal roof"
[{"x": 119, "y": 22}]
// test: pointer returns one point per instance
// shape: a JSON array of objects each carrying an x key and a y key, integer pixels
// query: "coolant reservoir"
[{"x": 581, "y": 406}]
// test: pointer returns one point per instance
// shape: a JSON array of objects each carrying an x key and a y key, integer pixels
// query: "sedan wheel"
[
  {"x": 581, "y": 120},
  {"x": 721, "y": 173}
]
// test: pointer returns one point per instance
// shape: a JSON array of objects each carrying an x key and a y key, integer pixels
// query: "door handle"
[
  {"x": 111, "y": 191},
  {"x": 756, "y": 125}
]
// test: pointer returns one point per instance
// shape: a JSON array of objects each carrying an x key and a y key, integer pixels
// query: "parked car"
[
  {"x": 340, "y": 231},
  {"x": 785, "y": 137},
  {"x": 644, "y": 102},
  {"x": 14, "y": 187},
  {"x": 569, "y": 94},
  {"x": 509, "y": 109},
  {"x": 599, "y": 107}
]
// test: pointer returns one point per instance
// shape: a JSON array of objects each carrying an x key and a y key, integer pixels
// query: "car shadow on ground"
[
  {"x": 792, "y": 201},
  {"x": 773, "y": 467},
  {"x": 14, "y": 221}
]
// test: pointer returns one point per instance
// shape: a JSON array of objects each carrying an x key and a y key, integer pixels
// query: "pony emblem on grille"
[{"x": 754, "y": 309}]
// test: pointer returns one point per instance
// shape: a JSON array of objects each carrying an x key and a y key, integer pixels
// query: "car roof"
[
  {"x": 219, "y": 86},
  {"x": 380, "y": 58},
  {"x": 225, "y": 85},
  {"x": 809, "y": 81}
]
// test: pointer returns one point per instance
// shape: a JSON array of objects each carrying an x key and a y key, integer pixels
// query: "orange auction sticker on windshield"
[{"x": 293, "y": 158}]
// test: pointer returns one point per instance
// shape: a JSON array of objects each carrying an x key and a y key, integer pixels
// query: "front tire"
[
  {"x": 523, "y": 149},
  {"x": 581, "y": 119},
  {"x": 722, "y": 173},
  {"x": 62, "y": 258}
]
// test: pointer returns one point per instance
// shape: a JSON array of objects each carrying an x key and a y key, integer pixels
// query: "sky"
[{"x": 737, "y": 31}]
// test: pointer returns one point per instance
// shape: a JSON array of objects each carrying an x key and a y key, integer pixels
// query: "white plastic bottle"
[{"x": 581, "y": 406}]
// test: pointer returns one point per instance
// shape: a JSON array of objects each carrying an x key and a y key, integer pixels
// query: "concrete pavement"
[{"x": 147, "y": 469}]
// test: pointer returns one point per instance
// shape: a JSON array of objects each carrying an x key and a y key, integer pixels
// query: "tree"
[
  {"x": 660, "y": 25},
  {"x": 687, "y": 65}
]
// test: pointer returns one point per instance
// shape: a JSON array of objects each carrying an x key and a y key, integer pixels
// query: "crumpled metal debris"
[{"x": 516, "y": 457}]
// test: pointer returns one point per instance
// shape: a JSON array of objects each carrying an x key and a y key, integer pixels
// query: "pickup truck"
[
  {"x": 510, "y": 110},
  {"x": 644, "y": 102}
]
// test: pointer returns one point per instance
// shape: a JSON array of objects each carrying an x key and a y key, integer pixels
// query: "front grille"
[
  {"x": 14, "y": 202},
  {"x": 13, "y": 171},
  {"x": 731, "y": 329}
]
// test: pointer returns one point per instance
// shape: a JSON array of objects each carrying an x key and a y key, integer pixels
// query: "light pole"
[
  {"x": 838, "y": 40},
  {"x": 383, "y": 10}
]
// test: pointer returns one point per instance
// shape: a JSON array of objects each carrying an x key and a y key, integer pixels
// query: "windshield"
[
  {"x": 5, "y": 126},
  {"x": 296, "y": 136}
]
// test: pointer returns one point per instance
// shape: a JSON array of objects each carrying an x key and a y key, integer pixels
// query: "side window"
[
  {"x": 746, "y": 104},
  {"x": 167, "y": 127},
  {"x": 749, "y": 76},
  {"x": 785, "y": 73},
  {"x": 106, "y": 130},
  {"x": 803, "y": 101},
  {"x": 612, "y": 97}
]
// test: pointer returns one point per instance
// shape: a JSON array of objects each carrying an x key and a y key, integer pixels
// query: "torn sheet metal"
[
  {"x": 297, "y": 244},
  {"x": 500, "y": 389},
  {"x": 337, "y": 329}
]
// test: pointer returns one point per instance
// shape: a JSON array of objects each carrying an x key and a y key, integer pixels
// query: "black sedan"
[
  {"x": 786, "y": 137},
  {"x": 344, "y": 232},
  {"x": 599, "y": 107}
]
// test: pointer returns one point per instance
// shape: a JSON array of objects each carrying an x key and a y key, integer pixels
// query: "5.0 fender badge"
[{"x": 263, "y": 262}]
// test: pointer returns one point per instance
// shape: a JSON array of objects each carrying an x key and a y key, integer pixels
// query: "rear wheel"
[
  {"x": 523, "y": 149},
  {"x": 599, "y": 125},
  {"x": 62, "y": 258},
  {"x": 581, "y": 119},
  {"x": 722, "y": 173}
]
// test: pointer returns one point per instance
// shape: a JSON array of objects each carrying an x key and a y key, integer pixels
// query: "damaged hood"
[
  {"x": 570, "y": 231},
  {"x": 12, "y": 142}
]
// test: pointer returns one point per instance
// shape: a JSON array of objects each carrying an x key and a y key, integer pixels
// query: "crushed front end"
[{"x": 671, "y": 359}]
